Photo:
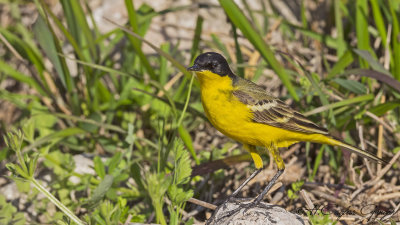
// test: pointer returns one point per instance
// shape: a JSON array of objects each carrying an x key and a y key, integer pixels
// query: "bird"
[{"x": 245, "y": 112}]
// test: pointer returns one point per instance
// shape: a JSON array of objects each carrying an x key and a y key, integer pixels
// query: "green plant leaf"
[
  {"x": 49, "y": 45},
  {"x": 99, "y": 167},
  {"x": 115, "y": 160},
  {"x": 344, "y": 61},
  {"x": 346, "y": 102},
  {"x": 317, "y": 162},
  {"x": 381, "y": 109},
  {"x": 351, "y": 85},
  {"x": 100, "y": 192},
  {"x": 182, "y": 170},
  {"x": 15, "y": 74},
  {"x": 372, "y": 62},
  {"x": 362, "y": 28},
  {"x": 187, "y": 140},
  {"x": 197, "y": 37}
]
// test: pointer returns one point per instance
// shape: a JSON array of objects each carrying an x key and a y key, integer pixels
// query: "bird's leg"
[
  {"x": 259, "y": 165},
  {"x": 243, "y": 184},
  {"x": 260, "y": 197},
  {"x": 274, "y": 151}
]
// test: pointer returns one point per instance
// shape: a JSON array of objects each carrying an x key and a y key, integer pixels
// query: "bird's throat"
[{"x": 210, "y": 80}]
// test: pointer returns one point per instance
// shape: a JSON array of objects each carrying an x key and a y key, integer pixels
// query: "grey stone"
[{"x": 261, "y": 214}]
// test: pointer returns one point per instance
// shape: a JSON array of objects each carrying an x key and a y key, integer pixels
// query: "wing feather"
[{"x": 272, "y": 111}]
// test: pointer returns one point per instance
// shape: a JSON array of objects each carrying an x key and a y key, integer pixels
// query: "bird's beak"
[{"x": 195, "y": 67}]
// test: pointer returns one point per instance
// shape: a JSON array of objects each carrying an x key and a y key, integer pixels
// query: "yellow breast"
[{"x": 224, "y": 110}]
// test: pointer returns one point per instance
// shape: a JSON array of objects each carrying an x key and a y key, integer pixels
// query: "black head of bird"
[{"x": 213, "y": 62}]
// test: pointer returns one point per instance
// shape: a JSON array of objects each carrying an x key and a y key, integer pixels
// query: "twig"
[
  {"x": 380, "y": 121},
  {"x": 276, "y": 187},
  {"x": 202, "y": 203},
  {"x": 361, "y": 136},
  {"x": 385, "y": 169},
  {"x": 396, "y": 209},
  {"x": 386, "y": 197},
  {"x": 320, "y": 184},
  {"x": 386, "y": 63},
  {"x": 376, "y": 187},
  {"x": 306, "y": 198},
  {"x": 290, "y": 151},
  {"x": 380, "y": 138},
  {"x": 193, "y": 213},
  {"x": 353, "y": 172},
  {"x": 337, "y": 201},
  {"x": 358, "y": 191},
  {"x": 128, "y": 219}
]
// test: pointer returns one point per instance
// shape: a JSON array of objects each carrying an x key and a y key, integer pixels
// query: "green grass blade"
[
  {"x": 15, "y": 74},
  {"x": 240, "y": 21},
  {"x": 196, "y": 38},
  {"x": 323, "y": 38},
  {"x": 321, "y": 94},
  {"x": 362, "y": 29},
  {"x": 346, "y": 102},
  {"x": 72, "y": 40},
  {"x": 55, "y": 201},
  {"x": 103, "y": 68},
  {"x": 54, "y": 137},
  {"x": 73, "y": 27},
  {"x": 314, "y": 81},
  {"x": 26, "y": 50},
  {"x": 379, "y": 21},
  {"x": 115, "y": 71},
  {"x": 77, "y": 23},
  {"x": 45, "y": 36},
  {"x": 341, "y": 47},
  {"x": 135, "y": 41},
  {"x": 221, "y": 46},
  {"x": 239, "y": 56},
  {"x": 381, "y": 109},
  {"x": 318, "y": 161},
  {"x": 388, "y": 80},
  {"x": 395, "y": 42},
  {"x": 372, "y": 62},
  {"x": 19, "y": 100},
  {"x": 251, "y": 15},
  {"x": 304, "y": 21},
  {"x": 344, "y": 61},
  {"x": 163, "y": 77},
  {"x": 89, "y": 121},
  {"x": 351, "y": 85}
]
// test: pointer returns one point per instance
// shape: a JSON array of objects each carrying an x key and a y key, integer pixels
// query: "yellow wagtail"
[{"x": 245, "y": 112}]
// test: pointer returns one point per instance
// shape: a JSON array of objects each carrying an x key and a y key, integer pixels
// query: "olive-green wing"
[{"x": 272, "y": 111}]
